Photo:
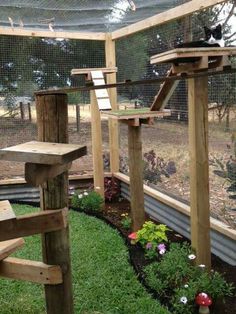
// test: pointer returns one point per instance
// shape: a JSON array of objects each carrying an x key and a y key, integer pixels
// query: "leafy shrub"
[
  {"x": 178, "y": 281},
  {"x": 87, "y": 201},
  {"x": 111, "y": 189},
  {"x": 151, "y": 237}
]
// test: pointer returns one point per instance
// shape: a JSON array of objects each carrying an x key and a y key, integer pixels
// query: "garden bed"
[{"x": 112, "y": 214}]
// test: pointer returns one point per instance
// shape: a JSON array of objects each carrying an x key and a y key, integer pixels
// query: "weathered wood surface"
[
  {"x": 37, "y": 174},
  {"x": 10, "y": 246},
  {"x": 89, "y": 70},
  {"x": 199, "y": 170},
  {"x": 43, "y": 152},
  {"x": 6, "y": 211},
  {"x": 35, "y": 223},
  {"x": 133, "y": 114},
  {"x": 172, "y": 55},
  {"x": 52, "y": 122},
  {"x": 37, "y": 272},
  {"x": 136, "y": 177}
]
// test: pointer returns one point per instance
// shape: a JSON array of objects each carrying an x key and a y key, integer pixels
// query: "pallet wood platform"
[
  {"x": 136, "y": 113},
  {"x": 184, "y": 53},
  {"x": 43, "y": 153}
]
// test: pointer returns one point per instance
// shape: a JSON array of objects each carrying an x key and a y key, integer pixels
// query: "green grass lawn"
[{"x": 103, "y": 280}]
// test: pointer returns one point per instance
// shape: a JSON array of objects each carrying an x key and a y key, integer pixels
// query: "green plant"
[
  {"x": 126, "y": 221},
  {"x": 177, "y": 280},
  {"x": 151, "y": 237},
  {"x": 87, "y": 201}
]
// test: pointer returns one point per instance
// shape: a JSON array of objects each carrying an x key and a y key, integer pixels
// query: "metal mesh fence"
[{"x": 30, "y": 64}]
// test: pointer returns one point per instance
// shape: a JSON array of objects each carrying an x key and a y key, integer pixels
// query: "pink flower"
[{"x": 132, "y": 236}]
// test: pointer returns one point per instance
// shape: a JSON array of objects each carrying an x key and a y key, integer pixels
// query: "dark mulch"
[{"x": 112, "y": 215}]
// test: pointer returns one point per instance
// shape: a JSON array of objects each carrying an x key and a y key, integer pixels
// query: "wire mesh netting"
[{"x": 29, "y": 64}]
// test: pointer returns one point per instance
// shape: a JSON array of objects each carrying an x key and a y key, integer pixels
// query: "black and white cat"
[{"x": 213, "y": 38}]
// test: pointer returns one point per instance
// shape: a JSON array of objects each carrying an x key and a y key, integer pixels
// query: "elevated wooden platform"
[
  {"x": 43, "y": 153},
  {"x": 178, "y": 54},
  {"x": 86, "y": 71}
]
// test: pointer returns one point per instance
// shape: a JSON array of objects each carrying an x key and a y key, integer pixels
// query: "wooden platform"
[
  {"x": 136, "y": 113},
  {"x": 86, "y": 71},
  {"x": 176, "y": 54},
  {"x": 43, "y": 153}
]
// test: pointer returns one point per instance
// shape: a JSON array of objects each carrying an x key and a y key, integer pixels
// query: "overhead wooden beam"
[
  {"x": 165, "y": 17},
  {"x": 16, "y": 31},
  {"x": 26, "y": 225},
  {"x": 38, "y": 272}
]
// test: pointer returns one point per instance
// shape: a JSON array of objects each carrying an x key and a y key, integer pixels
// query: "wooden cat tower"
[
  {"x": 46, "y": 165},
  {"x": 198, "y": 63}
]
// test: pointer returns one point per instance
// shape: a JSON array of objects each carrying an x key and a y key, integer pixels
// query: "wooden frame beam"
[
  {"x": 38, "y": 272},
  {"x": 165, "y": 17},
  {"x": 16, "y": 31},
  {"x": 40, "y": 222}
]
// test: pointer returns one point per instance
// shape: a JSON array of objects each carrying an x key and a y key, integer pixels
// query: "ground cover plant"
[{"x": 103, "y": 280}]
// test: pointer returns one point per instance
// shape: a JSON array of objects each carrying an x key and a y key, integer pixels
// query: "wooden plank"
[
  {"x": 98, "y": 171},
  {"x": 136, "y": 177},
  {"x": 52, "y": 121},
  {"x": 35, "y": 223},
  {"x": 165, "y": 92},
  {"x": 199, "y": 170},
  {"x": 165, "y": 17},
  {"x": 10, "y": 246},
  {"x": 107, "y": 70},
  {"x": 17, "y": 31},
  {"x": 178, "y": 53},
  {"x": 37, "y": 272},
  {"x": 37, "y": 174},
  {"x": 43, "y": 152},
  {"x": 101, "y": 93},
  {"x": 104, "y": 104},
  {"x": 6, "y": 211},
  {"x": 131, "y": 114}
]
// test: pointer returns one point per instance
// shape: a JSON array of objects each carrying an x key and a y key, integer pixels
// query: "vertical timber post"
[
  {"x": 98, "y": 169},
  {"x": 52, "y": 121},
  {"x": 112, "y": 123},
  {"x": 136, "y": 177},
  {"x": 199, "y": 169}
]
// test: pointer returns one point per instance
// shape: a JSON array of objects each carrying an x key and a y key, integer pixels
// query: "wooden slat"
[
  {"x": 178, "y": 53},
  {"x": 104, "y": 104},
  {"x": 38, "y": 272},
  {"x": 6, "y": 211},
  {"x": 17, "y": 31},
  {"x": 89, "y": 70},
  {"x": 165, "y": 17},
  {"x": 10, "y": 246},
  {"x": 43, "y": 152},
  {"x": 37, "y": 174},
  {"x": 165, "y": 92},
  {"x": 36, "y": 223}
]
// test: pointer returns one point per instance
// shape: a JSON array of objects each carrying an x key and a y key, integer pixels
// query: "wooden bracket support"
[
  {"x": 36, "y": 223},
  {"x": 38, "y": 272},
  {"x": 37, "y": 174}
]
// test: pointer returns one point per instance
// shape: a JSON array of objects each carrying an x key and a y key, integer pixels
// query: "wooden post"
[
  {"x": 52, "y": 120},
  {"x": 113, "y": 124},
  {"x": 22, "y": 112},
  {"x": 77, "y": 117},
  {"x": 199, "y": 169},
  {"x": 136, "y": 177},
  {"x": 29, "y": 112},
  {"x": 98, "y": 171}
]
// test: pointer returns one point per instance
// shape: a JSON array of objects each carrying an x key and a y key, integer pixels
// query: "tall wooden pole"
[
  {"x": 52, "y": 120},
  {"x": 98, "y": 169},
  {"x": 113, "y": 124},
  {"x": 136, "y": 177},
  {"x": 199, "y": 169}
]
